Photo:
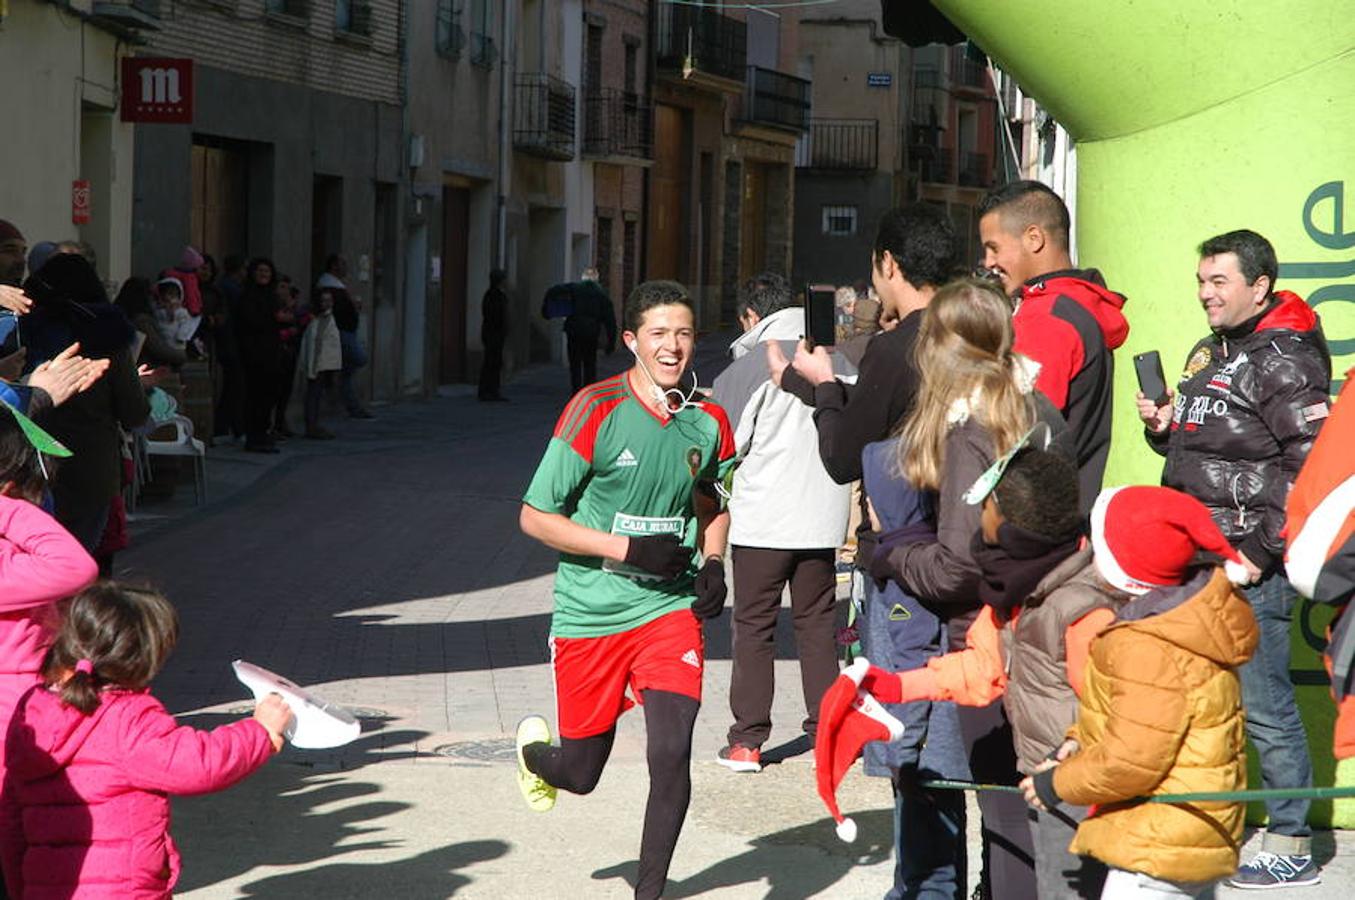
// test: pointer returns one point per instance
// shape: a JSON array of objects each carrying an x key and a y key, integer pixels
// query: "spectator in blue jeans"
[
  {"x": 898, "y": 634},
  {"x": 347, "y": 309},
  {"x": 1235, "y": 433}
]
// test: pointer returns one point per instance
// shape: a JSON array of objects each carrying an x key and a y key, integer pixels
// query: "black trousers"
[
  {"x": 1008, "y": 846},
  {"x": 583, "y": 362},
  {"x": 491, "y": 368},
  {"x": 286, "y": 377},
  {"x": 760, "y": 575},
  {"x": 231, "y": 417},
  {"x": 261, "y": 386}
]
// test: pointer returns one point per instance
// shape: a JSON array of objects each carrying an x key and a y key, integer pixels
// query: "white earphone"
[{"x": 661, "y": 396}]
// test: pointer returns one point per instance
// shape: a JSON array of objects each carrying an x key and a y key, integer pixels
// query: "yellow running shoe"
[{"x": 539, "y": 795}]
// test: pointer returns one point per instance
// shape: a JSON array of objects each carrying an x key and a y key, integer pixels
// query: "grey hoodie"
[{"x": 783, "y": 498}]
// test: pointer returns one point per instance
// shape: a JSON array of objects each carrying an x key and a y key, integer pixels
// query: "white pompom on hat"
[{"x": 1146, "y": 538}]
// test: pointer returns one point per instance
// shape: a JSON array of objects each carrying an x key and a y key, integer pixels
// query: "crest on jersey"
[{"x": 1199, "y": 361}]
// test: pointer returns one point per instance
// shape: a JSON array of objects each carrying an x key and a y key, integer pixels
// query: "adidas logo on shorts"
[
  {"x": 626, "y": 458},
  {"x": 691, "y": 659}
]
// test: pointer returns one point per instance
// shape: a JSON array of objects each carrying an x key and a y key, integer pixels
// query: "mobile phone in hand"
[
  {"x": 1148, "y": 366},
  {"x": 820, "y": 315}
]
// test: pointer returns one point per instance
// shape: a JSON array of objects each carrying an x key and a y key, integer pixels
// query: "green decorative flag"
[{"x": 40, "y": 439}]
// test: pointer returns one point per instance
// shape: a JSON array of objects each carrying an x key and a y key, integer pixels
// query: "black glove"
[
  {"x": 659, "y": 554},
  {"x": 710, "y": 589},
  {"x": 867, "y": 545},
  {"x": 873, "y": 558}
]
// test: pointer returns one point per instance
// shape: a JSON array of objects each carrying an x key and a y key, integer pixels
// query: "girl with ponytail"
[
  {"x": 93, "y": 757},
  {"x": 976, "y": 401}
]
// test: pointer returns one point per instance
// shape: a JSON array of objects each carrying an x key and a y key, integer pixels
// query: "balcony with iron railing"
[
  {"x": 975, "y": 170},
  {"x": 927, "y": 78},
  {"x": 692, "y": 41},
  {"x": 969, "y": 74},
  {"x": 934, "y": 170},
  {"x": 776, "y": 99},
  {"x": 839, "y": 145},
  {"x": 616, "y": 123},
  {"x": 544, "y": 120}
]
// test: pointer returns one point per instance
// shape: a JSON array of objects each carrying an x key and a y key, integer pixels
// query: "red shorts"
[{"x": 592, "y": 674}]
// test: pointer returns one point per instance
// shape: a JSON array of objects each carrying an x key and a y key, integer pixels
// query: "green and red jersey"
[{"x": 613, "y": 465}]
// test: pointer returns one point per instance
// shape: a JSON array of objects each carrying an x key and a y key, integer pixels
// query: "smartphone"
[
  {"x": 820, "y": 315},
  {"x": 1148, "y": 366}
]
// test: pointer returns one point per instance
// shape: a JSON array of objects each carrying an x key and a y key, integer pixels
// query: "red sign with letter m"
[{"x": 157, "y": 90}]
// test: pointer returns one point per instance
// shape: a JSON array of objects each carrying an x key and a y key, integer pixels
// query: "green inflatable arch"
[{"x": 1194, "y": 117}]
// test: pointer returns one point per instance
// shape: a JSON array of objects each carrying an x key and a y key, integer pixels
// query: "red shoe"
[{"x": 738, "y": 758}]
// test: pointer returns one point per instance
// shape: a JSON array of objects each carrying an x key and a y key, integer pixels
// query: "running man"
[{"x": 627, "y": 493}]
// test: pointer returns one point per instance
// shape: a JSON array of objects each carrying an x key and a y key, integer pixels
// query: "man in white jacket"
[{"x": 787, "y": 519}]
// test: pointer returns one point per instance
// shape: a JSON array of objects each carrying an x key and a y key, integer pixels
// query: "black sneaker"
[{"x": 1270, "y": 870}]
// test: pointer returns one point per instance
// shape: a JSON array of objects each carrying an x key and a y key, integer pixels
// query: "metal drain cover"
[{"x": 492, "y": 750}]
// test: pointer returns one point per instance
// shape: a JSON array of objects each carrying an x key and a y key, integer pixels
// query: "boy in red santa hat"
[{"x": 1161, "y": 703}]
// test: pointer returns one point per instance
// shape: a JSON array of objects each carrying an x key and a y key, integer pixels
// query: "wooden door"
[
  {"x": 327, "y": 224},
  {"x": 665, "y": 199},
  {"x": 753, "y": 224},
  {"x": 220, "y": 201}
]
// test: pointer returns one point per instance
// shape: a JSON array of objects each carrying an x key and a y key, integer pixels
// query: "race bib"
[{"x": 641, "y": 526}]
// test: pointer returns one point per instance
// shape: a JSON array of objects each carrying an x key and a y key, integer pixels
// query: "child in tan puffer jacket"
[{"x": 1161, "y": 707}]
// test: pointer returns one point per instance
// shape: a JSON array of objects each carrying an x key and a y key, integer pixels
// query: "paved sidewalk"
[{"x": 386, "y": 570}]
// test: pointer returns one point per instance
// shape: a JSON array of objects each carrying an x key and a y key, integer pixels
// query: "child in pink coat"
[
  {"x": 94, "y": 758},
  {"x": 40, "y": 563}
]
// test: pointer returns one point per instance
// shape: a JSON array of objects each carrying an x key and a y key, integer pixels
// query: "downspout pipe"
[{"x": 505, "y": 150}]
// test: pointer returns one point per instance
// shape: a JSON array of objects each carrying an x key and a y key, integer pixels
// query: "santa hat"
[
  {"x": 849, "y": 718},
  {"x": 1147, "y": 537},
  {"x": 190, "y": 259}
]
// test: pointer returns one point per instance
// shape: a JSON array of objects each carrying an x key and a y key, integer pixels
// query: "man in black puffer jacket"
[{"x": 1235, "y": 433}]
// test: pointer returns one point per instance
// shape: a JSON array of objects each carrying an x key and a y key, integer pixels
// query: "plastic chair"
[{"x": 184, "y": 444}]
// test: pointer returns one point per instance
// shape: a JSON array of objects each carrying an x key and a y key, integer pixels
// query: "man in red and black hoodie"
[{"x": 1066, "y": 319}]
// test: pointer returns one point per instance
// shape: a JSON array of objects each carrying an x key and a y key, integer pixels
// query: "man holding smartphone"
[
  {"x": 1235, "y": 433},
  {"x": 787, "y": 519}
]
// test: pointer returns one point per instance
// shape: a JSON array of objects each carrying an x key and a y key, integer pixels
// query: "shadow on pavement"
[
  {"x": 797, "y": 746},
  {"x": 292, "y": 814},
  {"x": 429, "y": 875},
  {"x": 778, "y": 861}
]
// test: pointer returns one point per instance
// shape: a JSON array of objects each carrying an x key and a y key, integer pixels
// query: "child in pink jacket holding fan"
[{"x": 93, "y": 758}]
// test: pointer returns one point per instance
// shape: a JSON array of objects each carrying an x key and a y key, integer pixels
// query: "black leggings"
[{"x": 576, "y": 765}]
